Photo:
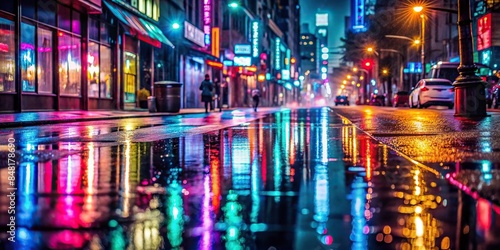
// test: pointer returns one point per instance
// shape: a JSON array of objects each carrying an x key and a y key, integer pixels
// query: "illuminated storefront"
[{"x": 92, "y": 54}]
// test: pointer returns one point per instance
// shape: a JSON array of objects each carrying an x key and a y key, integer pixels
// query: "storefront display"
[
  {"x": 69, "y": 64},
  {"x": 7, "y": 56},
  {"x": 45, "y": 59}
]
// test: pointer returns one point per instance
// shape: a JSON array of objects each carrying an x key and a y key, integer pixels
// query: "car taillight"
[{"x": 424, "y": 89}]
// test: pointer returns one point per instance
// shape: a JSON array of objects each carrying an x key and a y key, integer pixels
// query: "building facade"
[
  {"x": 84, "y": 56},
  {"x": 308, "y": 49}
]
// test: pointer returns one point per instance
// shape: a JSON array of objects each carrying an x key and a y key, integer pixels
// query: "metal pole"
[
  {"x": 422, "y": 56},
  {"x": 470, "y": 100}
]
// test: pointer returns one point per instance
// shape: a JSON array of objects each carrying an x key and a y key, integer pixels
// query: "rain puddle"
[{"x": 303, "y": 179}]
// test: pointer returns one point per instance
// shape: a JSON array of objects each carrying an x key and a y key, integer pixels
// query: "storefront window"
[
  {"x": 105, "y": 32},
  {"x": 93, "y": 69},
  {"x": 105, "y": 86},
  {"x": 7, "y": 56},
  {"x": 156, "y": 10},
  {"x": 142, "y": 6},
  {"x": 149, "y": 8},
  {"x": 75, "y": 23},
  {"x": 45, "y": 61},
  {"x": 64, "y": 17},
  {"x": 27, "y": 57},
  {"x": 28, "y": 9},
  {"x": 130, "y": 70},
  {"x": 94, "y": 29},
  {"x": 8, "y": 6},
  {"x": 46, "y": 12},
  {"x": 69, "y": 64}
]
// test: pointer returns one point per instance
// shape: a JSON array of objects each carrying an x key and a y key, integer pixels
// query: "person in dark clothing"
[
  {"x": 206, "y": 88},
  {"x": 256, "y": 98}
]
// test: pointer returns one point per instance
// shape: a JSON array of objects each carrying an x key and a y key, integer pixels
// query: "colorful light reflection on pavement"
[{"x": 301, "y": 179}]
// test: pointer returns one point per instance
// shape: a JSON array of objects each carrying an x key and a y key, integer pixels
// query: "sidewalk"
[{"x": 53, "y": 117}]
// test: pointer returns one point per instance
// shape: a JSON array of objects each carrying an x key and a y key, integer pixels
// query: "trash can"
[
  {"x": 152, "y": 104},
  {"x": 168, "y": 96}
]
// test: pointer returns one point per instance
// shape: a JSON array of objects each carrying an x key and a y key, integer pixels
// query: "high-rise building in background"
[
  {"x": 322, "y": 48},
  {"x": 308, "y": 49}
]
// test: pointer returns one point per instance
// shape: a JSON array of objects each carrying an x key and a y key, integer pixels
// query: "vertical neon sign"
[
  {"x": 255, "y": 39},
  {"x": 207, "y": 20},
  {"x": 278, "y": 54}
]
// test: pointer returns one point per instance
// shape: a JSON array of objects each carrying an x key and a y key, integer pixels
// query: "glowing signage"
[
  {"x": 194, "y": 34},
  {"x": 321, "y": 19},
  {"x": 214, "y": 64},
  {"x": 207, "y": 20},
  {"x": 358, "y": 22},
  {"x": 255, "y": 39},
  {"x": 242, "y": 49},
  {"x": 484, "y": 32},
  {"x": 242, "y": 61},
  {"x": 216, "y": 42},
  {"x": 277, "y": 58},
  {"x": 285, "y": 74}
]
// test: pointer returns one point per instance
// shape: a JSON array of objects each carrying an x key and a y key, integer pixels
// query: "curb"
[{"x": 59, "y": 121}]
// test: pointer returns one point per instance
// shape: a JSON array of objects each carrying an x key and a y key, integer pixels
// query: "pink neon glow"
[
  {"x": 27, "y": 46},
  {"x": 207, "y": 19},
  {"x": 468, "y": 191},
  {"x": 206, "y": 218}
]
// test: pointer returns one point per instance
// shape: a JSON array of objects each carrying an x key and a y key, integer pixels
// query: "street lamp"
[
  {"x": 176, "y": 26},
  {"x": 470, "y": 100},
  {"x": 401, "y": 71},
  {"x": 419, "y": 9}
]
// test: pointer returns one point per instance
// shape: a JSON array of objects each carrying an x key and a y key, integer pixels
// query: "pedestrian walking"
[
  {"x": 256, "y": 98},
  {"x": 206, "y": 88},
  {"x": 218, "y": 97}
]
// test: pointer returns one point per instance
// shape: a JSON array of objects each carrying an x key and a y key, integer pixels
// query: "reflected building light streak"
[
  {"x": 354, "y": 146},
  {"x": 90, "y": 169},
  {"x": 324, "y": 141},
  {"x": 206, "y": 219},
  {"x": 321, "y": 194},
  {"x": 26, "y": 196},
  {"x": 277, "y": 170},
  {"x": 358, "y": 237},
  {"x": 175, "y": 215},
  {"x": 419, "y": 226},
  {"x": 126, "y": 180},
  {"x": 233, "y": 219},
  {"x": 241, "y": 163},
  {"x": 368, "y": 159},
  {"x": 385, "y": 155},
  {"x": 256, "y": 184},
  {"x": 216, "y": 187}
]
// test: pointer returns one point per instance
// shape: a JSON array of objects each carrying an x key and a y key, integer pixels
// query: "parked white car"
[{"x": 430, "y": 92}]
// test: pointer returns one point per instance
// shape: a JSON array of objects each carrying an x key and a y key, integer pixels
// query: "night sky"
[{"x": 337, "y": 10}]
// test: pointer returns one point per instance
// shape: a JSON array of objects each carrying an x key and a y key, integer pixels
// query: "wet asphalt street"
[{"x": 295, "y": 179}]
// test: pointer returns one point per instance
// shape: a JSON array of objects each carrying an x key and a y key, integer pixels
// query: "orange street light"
[
  {"x": 418, "y": 8},
  {"x": 369, "y": 49}
]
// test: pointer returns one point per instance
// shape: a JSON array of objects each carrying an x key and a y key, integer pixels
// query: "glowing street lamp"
[
  {"x": 234, "y": 5},
  {"x": 418, "y": 8},
  {"x": 176, "y": 26}
]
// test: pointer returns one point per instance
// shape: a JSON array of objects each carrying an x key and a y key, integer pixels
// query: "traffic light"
[{"x": 367, "y": 64}]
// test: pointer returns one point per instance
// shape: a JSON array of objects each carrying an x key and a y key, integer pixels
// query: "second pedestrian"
[{"x": 206, "y": 88}]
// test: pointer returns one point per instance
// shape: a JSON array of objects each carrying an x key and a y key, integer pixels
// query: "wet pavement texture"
[
  {"x": 466, "y": 149},
  {"x": 295, "y": 179}
]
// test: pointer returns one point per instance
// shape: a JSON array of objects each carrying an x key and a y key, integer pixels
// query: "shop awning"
[{"x": 137, "y": 26}]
